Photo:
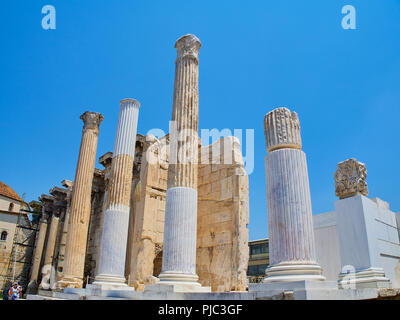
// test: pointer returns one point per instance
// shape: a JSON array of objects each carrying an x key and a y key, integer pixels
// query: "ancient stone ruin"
[{"x": 166, "y": 217}]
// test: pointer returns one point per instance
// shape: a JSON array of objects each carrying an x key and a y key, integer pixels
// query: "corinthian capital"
[
  {"x": 188, "y": 46},
  {"x": 92, "y": 120},
  {"x": 282, "y": 129},
  {"x": 350, "y": 179}
]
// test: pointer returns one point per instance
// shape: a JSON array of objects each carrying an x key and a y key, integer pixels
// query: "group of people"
[{"x": 14, "y": 292}]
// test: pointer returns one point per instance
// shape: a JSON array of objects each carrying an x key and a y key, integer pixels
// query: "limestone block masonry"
[
  {"x": 292, "y": 249},
  {"x": 222, "y": 217},
  {"x": 111, "y": 271},
  {"x": 80, "y": 203}
]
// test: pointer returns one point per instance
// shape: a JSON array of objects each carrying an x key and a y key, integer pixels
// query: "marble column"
[
  {"x": 290, "y": 226},
  {"x": 51, "y": 240},
  {"x": 48, "y": 257},
  {"x": 63, "y": 241},
  {"x": 111, "y": 271},
  {"x": 180, "y": 229},
  {"x": 37, "y": 254},
  {"x": 80, "y": 203}
]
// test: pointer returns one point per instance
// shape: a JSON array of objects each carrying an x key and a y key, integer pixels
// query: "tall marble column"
[
  {"x": 80, "y": 203},
  {"x": 180, "y": 229},
  {"x": 111, "y": 271},
  {"x": 290, "y": 226}
]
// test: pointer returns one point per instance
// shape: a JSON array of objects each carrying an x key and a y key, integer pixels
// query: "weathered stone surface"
[
  {"x": 179, "y": 244},
  {"x": 282, "y": 129},
  {"x": 182, "y": 171},
  {"x": 223, "y": 215},
  {"x": 37, "y": 253},
  {"x": 97, "y": 211},
  {"x": 81, "y": 203},
  {"x": 229, "y": 211},
  {"x": 350, "y": 179},
  {"x": 49, "y": 254},
  {"x": 148, "y": 210}
]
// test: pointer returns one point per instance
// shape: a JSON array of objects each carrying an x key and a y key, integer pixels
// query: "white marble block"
[{"x": 358, "y": 239}]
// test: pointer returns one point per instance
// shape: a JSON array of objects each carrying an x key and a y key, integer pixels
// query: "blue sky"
[{"x": 255, "y": 56}]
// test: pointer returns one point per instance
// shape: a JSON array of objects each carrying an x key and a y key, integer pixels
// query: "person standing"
[
  {"x": 5, "y": 292},
  {"x": 14, "y": 292}
]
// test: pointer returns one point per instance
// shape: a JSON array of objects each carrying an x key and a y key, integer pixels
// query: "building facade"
[
  {"x": 16, "y": 239},
  {"x": 258, "y": 260}
]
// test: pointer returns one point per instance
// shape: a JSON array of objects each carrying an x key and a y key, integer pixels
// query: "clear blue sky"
[{"x": 256, "y": 55}]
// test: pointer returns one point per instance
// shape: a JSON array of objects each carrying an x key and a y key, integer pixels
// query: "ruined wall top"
[
  {"x": 91, "y": 120},
  {"x": 106, "y": 159},
  {"x": 188, "y": 46},
  {"x": 67, "y": 184},
  {"x": 282, "y": 129},
  {"x": 350, "y": 179}
]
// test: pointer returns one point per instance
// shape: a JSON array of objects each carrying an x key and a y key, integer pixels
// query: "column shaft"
[
  {"x": 179, "y": 250},
  {"x": 81, "y": 203},
  {"x": 111, "y": 269},
  {"x": 291, "y": 233},
  {"x": 289, "y": 207},
  {"x": 37, "y": 256},
  {"x": 63, "y": 242},
  {"x": 51, "y": 240}
]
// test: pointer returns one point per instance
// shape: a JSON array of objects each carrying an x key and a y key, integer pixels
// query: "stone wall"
[
  {"x": 149, "y": 211},
  {"x": 223, "y": 215},
  {"x": 222, "y": 210}
]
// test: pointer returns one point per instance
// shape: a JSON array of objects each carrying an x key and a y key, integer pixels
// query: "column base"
[
  {"x": 177, "y": 282},
  {"x": 109, "y": 282},
  {"x": 367, "y": 278},
  {"x": 293, "y": 272}
]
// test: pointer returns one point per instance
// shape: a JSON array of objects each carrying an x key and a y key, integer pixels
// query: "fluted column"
[
  {"x": 111, "y": 271},
  {"x": 37, "y": 255},
  {"x": 48, "y": 257},
  {"x": 291, "y": 234},
  {"x": 51, "y": 240},
  {"x": 63, "y": 243},
  {"x": 80, "y": 203},
  {"x": 179, "y": 249}
]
